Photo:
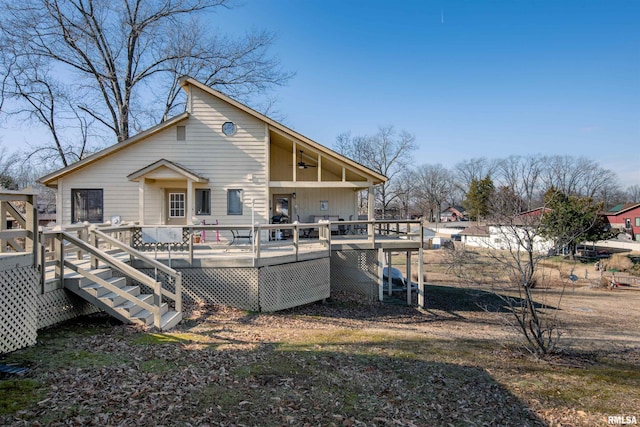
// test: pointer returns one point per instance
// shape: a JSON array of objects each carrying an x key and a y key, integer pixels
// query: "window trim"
[
  {"x": 198, "y": 192},
  {"x": 231, "y": 191},
  {"x": 74, "y": 213},
  {"x": 183, "y": 202}
]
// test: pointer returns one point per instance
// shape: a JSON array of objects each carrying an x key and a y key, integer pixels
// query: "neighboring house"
[
  {"x": 505, "y": 236},
  {"x": 476, "y": 235},
  {"x": 219, "y": 161},
  {"x": 453, "y": 213},
  {"x": 626, "y": 218}
]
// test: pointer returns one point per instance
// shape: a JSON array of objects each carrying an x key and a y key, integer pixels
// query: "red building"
[{"x": 626, "y": 218}]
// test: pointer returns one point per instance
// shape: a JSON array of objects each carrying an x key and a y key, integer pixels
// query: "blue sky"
[{"x": 468, "y": 78}]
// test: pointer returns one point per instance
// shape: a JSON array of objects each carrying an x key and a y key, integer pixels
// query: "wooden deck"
[{"x": 222, "y": 249}]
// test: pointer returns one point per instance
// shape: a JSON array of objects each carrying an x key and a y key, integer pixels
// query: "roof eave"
[{"x": 51, "y": 179}]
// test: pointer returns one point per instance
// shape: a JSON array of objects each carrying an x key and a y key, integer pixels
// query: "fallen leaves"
[{"x": 320, "y": 365}]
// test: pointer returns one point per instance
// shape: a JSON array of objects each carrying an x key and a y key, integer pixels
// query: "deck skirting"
[
  {"x": 267, "y": 288},
  {"x": 355, "y": 272}
]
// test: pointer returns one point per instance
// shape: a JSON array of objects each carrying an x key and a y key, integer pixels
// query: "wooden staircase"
[
  {"x": 126, "y": 310},
  {"x": 93, "y": 279}
]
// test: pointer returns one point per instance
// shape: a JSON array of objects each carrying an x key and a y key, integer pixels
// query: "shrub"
[{"x": 620, "y": 262}]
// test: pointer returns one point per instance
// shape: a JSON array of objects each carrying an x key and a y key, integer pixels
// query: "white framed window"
[
  {"x": 203, "y": 201},
  {"x": 177, "y": 204},
  {"x": 234, "y": 202}
]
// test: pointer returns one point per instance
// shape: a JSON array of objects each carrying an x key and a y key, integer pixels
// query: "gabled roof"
[
  {"x": 53, "y": 177},
  {"x": 174, "y": 167},
  {"x": 622, "y": 208},
  {"x": 185, "y": 82},
  {"x": 282, "y": 129}
]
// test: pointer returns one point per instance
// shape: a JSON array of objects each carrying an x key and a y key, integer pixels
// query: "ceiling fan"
[{"x": 302, "y": 164}]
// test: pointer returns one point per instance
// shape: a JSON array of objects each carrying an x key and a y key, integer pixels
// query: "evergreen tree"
[
  {"x": 478, "y": 201},
  {"x": 572, "y": 220}
]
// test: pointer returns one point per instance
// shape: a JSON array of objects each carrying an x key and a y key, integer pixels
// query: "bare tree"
[
  {"x": 633, "y": 193},
  {"x": 121, "y": 58},
  {"x": 474, "y": 169},
  {"x": 434, "y": 185},
  {"x": 522, "y": 175},
  {"x": 388, "y": 152},
  {"x": 406, "y": 188},
  {"x": 511, "y": 266},
  {"x": 576, "y": 176}
]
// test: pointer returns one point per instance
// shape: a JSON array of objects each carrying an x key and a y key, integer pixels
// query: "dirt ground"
[{"x": 591, "y": 314}]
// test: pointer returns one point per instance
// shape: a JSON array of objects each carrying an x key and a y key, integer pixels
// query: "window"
[
  {"x": 181, "y": 133},
  {"x": 176, "y": 205},
  {"x": 203, "y": 202},
  {"x": 234, "y": 202},
  {"x": 86, "y": 205},
  {"x": 637, "y": 222}
]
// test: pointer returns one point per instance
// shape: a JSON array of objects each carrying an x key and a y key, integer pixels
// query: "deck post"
[
  {"x": 296, "y": 240},
  {"x": 420, "y": 277},
  {"x": 31, "y": 224},
  {"x": 93, "y": 241},
  {"x": 408, "y": 278},
  {"x": 380, "y": 274},
  {"x": 59, "y": 254},
  {"x": 191, "y": 237},
  {"x": 389, "y": 275},
  {"x": 42, "y": 258}
]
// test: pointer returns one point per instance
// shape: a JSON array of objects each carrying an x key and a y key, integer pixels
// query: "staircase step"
[
  {"x": 147, "y": 317},
  {"x": 130, "y": 308},
  {"x": 77, "y": 279},
  {"x": 170, "y": 319},
  {"x": 98, "y": 291}
]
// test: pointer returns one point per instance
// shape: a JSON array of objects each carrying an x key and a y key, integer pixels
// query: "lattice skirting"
[
  {"x": 272, "y": 288},
  {"x": 60, "y": 305},
  {"x": 18, "y": 314},
  {"x": 290, "y": 285},
  {"x": 355, "y": 272}
]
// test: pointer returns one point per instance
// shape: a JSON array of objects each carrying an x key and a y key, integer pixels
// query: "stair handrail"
[
  {"x": 124, "y": 268},
  {"x": 176, "y": 275}
]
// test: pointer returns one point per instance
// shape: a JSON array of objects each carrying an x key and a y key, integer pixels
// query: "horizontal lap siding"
[
  {"x": 236, "y": 162},
  {"x": 225, "y": 161}
]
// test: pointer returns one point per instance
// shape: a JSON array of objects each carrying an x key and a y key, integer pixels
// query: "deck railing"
[
  {"x": 255, "y": 242},
  {"x": 65, "y": 243},
  {"x": 23, "y": 239}
]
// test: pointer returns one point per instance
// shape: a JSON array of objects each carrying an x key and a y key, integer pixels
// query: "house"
[
  {"x": 509, "y": 234},
  {"x": 626, "y": 218},
  {"x": 476, "y": 235},
  {"x": 453, "y": 213},
  {"x": 223, "y": 169},
  {"x": 218, "y": 162}
]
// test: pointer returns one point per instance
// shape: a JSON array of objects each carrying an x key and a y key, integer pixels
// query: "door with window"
[
  {"x": 176, "y": 206},
  {"x": 282, "y": 211}
]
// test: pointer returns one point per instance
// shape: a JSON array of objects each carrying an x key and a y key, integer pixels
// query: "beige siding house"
[{"x": 218, "y": 161}]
